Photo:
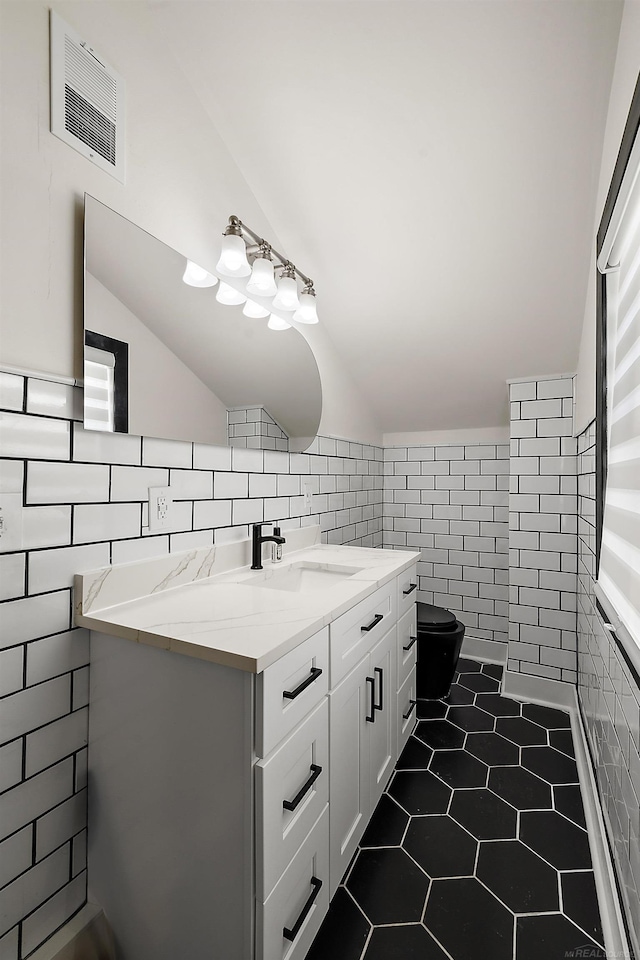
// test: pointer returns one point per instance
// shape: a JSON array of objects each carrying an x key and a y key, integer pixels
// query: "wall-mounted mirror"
[{"x": 165, "y": 359}]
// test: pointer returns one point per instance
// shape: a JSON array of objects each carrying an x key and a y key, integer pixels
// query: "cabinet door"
[
  {"x": 349, "y": 802},
  {"x": 406, "y": 710},
  {"x": 383, "y": 738}
]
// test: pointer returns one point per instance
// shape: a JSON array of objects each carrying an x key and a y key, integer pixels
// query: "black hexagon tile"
[
  {"x": 580, "y": 902},
  {"x": 521, "y": 788},
  {"x": 484, "y": 814},
  {"x": 415, "y": 756},
  {"x": 460, "y": 696},
  {"x": 420, "y": 792},
  {"x": 493, "y": 749},
  {"x": 547, "y": 717},
  {"x": 493, "y": 670},
  {"x": 468, "y": 666},
  {"x": 387, "y": 825},
  {"x": 468, "y": 920},
  {"x": 441, "y": 846},
  {"x": 388, "y": 886},
  {"x": 567, "y": 800},
  {"x": 410, "y": 942},
  {"x": 440, "y": 734},
  {"x": 479, "y": 682},
  {"x": 497, "y": 705},
  {"x": 459, "y": 769},
  {"x": 518, "y": 877},
  {"x": 553, "y": 937},
  {"x": 430, "y": 709},
  {"x": 562, "y": 740},
  {"x": 550, "y": 764},
  {"x": 521, "y": 731},
  {"x": 560, "y": 842},
  {"x": 343, "y": 933},
  {"x": 471, "y": 719}
]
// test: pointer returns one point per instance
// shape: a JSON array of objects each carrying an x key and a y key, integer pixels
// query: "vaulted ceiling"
[{"x": 432, "y": 164}]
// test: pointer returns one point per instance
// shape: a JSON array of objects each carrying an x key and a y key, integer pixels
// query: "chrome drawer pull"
[
  {"x": 376, "y": 620},
  {"x": 315, "y": 773},
  {"x": 292, "y": 933},
  {"x": 372, "y": 687},
  {"x": 412, "y": 706},
  {"x": 412, "y": 640},
  {"x": 412, "y": 587},
  {"x": 313, "y": 675}
]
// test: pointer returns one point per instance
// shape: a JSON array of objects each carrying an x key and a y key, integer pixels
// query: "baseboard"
[
  {"x": 87, "y": 936},
  {"x": 487, "y": 651},
  {"x": 552, "y": 693},
  {"x": 613, "y": 925}
]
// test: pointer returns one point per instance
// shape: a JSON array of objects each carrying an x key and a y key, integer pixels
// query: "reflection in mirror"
[{"x": 164, "y": 358}]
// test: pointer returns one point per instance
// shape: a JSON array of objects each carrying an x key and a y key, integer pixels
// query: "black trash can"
[{"x": 439, "y": 641}]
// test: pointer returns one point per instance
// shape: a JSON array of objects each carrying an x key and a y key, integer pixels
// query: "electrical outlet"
[
  {"x": 10, "y": 521},
  {"x": 307, "y": 493},
  {"x": 160, "y": 508}
]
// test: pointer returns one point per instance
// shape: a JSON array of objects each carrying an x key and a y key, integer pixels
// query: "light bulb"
[
  {"x": 228, "y": 295},
  {"x": 197, "y": 276},
  {"x": 233, "y": 258},
  {"x": 252, "y": 309},
  {"x": 275, "y": 323},
  {"x": 306, "y": 312},
  {"x": 287, "y": 296},
  {"x": 262, "y": 282}
]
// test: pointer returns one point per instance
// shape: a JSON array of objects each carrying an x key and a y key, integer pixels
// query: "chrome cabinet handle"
[
  {"x": 412, "y": 640},
  {"x": 292, "y": 933},
  {"x": 313, "y": 675},
  {"x": 412, "y": 587},
  {"x": 315, "y": 773},
  {"x": 376, "y": 620}
]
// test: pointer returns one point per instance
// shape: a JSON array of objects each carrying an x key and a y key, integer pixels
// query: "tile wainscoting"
[
  {"x": 609, "y": 697},
  {"x": 83, "y": 498}
]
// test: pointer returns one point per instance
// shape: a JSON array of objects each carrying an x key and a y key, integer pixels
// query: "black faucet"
[{"x": 256, "y": 545}]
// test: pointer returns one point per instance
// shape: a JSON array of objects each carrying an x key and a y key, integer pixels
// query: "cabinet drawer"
[
  {"x": 407, "y": 645},
  {"x": 406, "y": 710},
  {"x": 359, "y": 629},
  {"x": 288, "y": 920},
  {"x": 407, "y": 586},
  {"x": 295, "y": 774},
  {"x": 288, "y": 689}
]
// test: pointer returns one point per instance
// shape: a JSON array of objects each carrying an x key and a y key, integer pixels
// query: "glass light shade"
[
  {"x": 197, "y": 276},
  {"x": 287, "y": 296},
  {"x": 228, "y": 295},
  {"x": 306, "y": 312},
  {"x": 262, "y": 282},
  {"x": 233, "y": 259},
  {"x": 252, "y": 309},
  {"x": 275, "y": 323}
]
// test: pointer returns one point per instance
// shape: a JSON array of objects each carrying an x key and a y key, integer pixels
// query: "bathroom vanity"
[{"x": 243, "y": 726}]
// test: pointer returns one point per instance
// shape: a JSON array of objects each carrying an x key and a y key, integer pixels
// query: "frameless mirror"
[{"x": 165, "y": 359}]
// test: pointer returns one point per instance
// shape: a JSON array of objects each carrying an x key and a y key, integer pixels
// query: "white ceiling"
[{"x": 432, "y": 164}]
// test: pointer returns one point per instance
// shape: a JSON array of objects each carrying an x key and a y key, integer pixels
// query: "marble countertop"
[{"x": 208, "y": 603}]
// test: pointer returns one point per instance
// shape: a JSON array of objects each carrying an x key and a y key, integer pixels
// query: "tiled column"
[{"x": 542, "y": 530}]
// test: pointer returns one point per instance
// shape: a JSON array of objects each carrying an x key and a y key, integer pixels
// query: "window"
[{"x": 618, "y": 414}]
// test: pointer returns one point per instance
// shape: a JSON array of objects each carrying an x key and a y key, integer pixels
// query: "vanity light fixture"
[
  {"x": 254, "y": 310},
  {"x": 228, "y": 295},
  {"x": 196, "y": 276},
  {"x": 276, "y": 323},
  {"x": 238, "y": 245},
  {"x": 233, "y": 258}
]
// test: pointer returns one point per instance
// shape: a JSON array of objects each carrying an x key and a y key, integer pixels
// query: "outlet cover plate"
[{"x": 160, "y": 509}]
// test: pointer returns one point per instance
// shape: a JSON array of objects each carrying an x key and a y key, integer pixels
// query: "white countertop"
[{"x": 203, "y": 604}]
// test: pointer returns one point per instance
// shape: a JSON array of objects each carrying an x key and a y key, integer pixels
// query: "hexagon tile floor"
[{"x": 478, "y": 847}]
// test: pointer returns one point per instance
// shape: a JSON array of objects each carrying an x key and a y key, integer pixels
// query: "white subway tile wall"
[
  {"x": 451, "y": 503},
  {"x": 84, "y": 499},
  {"x": 542, "y": 530},
  {"x": 254, "y": 428},
  {"x": 609, "y": 695}
]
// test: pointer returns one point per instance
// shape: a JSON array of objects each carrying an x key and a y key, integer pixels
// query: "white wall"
[
  {"x": 181, "y": 185},
  {"x": 622, "y": 87}
]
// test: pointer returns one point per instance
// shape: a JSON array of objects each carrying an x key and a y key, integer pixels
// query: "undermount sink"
[{"x": 302, "y": 576}]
